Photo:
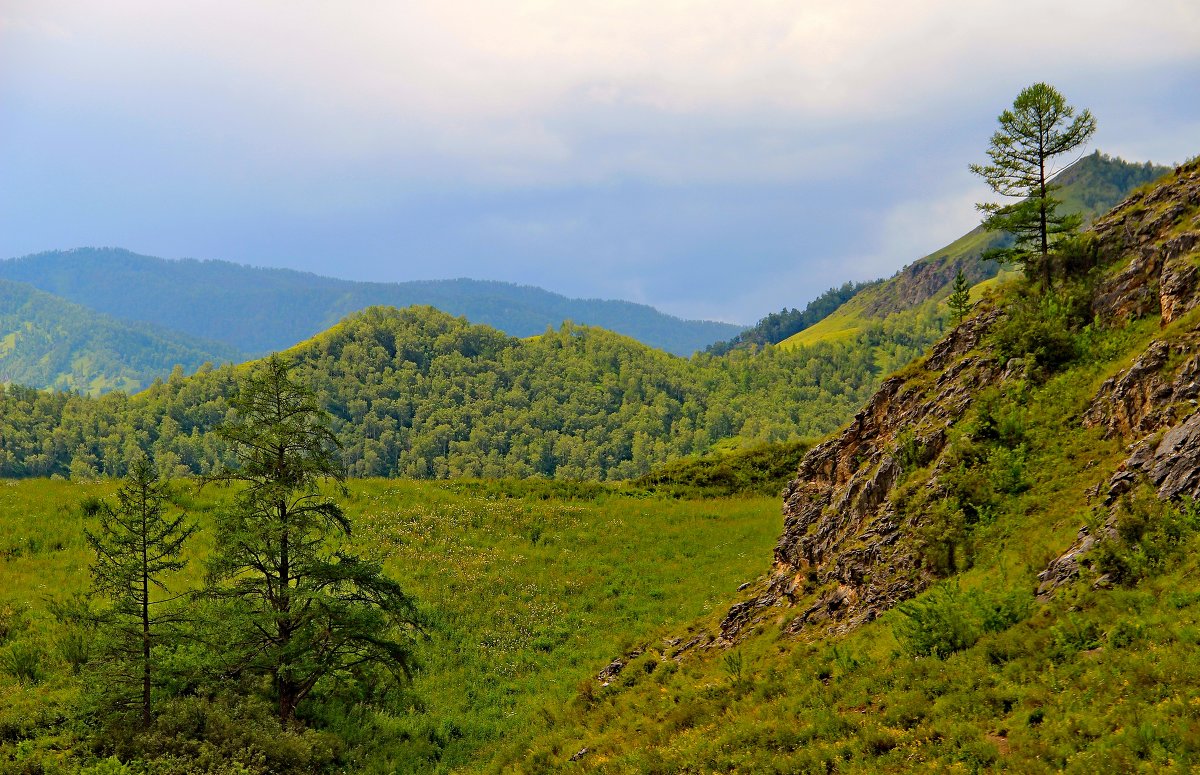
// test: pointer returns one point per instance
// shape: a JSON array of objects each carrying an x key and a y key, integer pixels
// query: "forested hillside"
[
  {"x": 259, "y": 310},
  {"x": 419, "y": 393},
  {"x": 778, "y": 326},
  {"x": 48, "y": 342}
]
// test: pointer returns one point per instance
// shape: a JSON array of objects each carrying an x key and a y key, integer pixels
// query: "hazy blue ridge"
[{"x": 258, "y": 310}]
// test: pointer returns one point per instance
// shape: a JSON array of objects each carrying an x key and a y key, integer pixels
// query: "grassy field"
[
  {"x": 531, "y": 588},
  {"x": 1097, "y": 678}
]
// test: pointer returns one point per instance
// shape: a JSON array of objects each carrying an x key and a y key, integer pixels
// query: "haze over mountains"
[
  {"x": 108, "y": 318},
  {"x": 258, "y": 310}
]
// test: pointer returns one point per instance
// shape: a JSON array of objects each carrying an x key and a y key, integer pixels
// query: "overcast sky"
[{"x": 714, "y": 159}]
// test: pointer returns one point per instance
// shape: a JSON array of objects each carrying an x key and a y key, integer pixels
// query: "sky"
[{"x": 717, "y": 160}]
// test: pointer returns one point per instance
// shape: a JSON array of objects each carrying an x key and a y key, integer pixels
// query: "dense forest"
[
  {"x": 46, "y": 341},
  {"x": 419, "y": 393},
  {"x": 258, "y": 310}
]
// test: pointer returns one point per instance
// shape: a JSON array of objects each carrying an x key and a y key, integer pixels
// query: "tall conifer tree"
[
  {"x": 301, "y": 605},
  {"x": 960, "y": 296},
  {"x": 1039, "y": 127},
  {"x": 136, "y": 546}
]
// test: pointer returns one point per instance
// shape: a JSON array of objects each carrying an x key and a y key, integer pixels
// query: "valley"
[{"x": 563, "y": 549}]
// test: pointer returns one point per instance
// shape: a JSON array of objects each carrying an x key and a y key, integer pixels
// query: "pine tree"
[
  {"x": 300, "y": 605},
  {"x": 960, "y": 296},
  {"x": 1032, "y": 133},
  {"x": 136, "y": 545}
]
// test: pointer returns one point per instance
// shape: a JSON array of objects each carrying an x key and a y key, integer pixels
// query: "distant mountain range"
[
  {"x": 258, "y": 310},
  {"x": 110, "y": 319}
]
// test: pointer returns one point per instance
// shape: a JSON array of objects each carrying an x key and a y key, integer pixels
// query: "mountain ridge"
[
  {"x": 1090, "y": 187},
  {"x": 260, "y": 309}
]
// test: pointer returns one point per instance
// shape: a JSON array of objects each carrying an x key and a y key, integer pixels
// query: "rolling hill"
[
  {"x": 48, "y": 342},
  {"x": 417, "y": 393},
  {"x": 259, "y": 310}
]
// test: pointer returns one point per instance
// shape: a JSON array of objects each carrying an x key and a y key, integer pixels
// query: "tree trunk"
[
  {"x": 145, "y": 625},
  {"x": 1042, "y": 220},
  {"x": 288, "y": 699},
  {"x": 283, "y": 681}
]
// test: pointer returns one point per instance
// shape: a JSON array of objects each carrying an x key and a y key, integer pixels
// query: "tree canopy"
[
  {"x": 1039, "y": 127},
  {"x": 299, "y": 605}
]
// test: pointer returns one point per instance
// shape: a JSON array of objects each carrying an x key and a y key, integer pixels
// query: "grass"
[
  {"x": 1091, "y": 680},
  {"x": 531, "y": 587}
]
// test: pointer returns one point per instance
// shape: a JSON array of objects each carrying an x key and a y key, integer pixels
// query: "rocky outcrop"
[
  {"x": 842, "y": 547},
  {"x": 1149, "y": 395},
  {"x": 846, "y": 555},
  {"x": 1153, "y": 403}
]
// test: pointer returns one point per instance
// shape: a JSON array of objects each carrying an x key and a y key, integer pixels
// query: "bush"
[
  {"x": 222, "y": 735},
  {"x": 946, "y": 619},
  {"x": 1148, "y": 534},
  {"x": 14, "y": 620},
  {"x": 1072, "y": 636},
  {"x": 1039, "y": 329},
  {"x": 23, "y": 661},
  {"x": 938, "y": 624},
  {"x": 941, "y": 534}
]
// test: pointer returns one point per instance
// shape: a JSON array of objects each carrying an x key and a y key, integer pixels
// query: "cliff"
[{"x": 857, "y": 524}]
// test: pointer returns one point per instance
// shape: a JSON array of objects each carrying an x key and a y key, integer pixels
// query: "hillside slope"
[
  {"x": 259, "y": 310},
  {"x": 1090, "y": 188},
  {"x": 48, "y": 342},
  {"x": 992, "y": 567}
]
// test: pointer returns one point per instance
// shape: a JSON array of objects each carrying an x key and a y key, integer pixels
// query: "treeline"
[
  {"x": 777, "y": 326},
  {"x": 418, "y": 393}
]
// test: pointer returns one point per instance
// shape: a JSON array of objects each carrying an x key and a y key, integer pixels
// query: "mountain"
[
  {"x": 1090, "y": 187},
  {"x": 260, "y": 310},
  {"x": 778, "y": 326},
  {"x": 49, "y": 342},
  {"x": 418, "y": 393},
  {"x": 991, "y": 567}
]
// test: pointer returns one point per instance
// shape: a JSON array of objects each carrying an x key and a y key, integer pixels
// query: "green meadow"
[{"x": 530, "y": 589}]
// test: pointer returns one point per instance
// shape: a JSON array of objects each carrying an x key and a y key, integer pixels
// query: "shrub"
[
  {"x": 1006, "y": 470},
  {"x": 938, "y": 624},
  {"x": 946, "y": 619},
  {"x": 1147, "y": 534},
  {"x": 1126, "y": 633},
  {"x": 14, "y": 620},
  {"x": 1072, "y": 636},
  {"x": 942, "y": 537},
  {"x": 23, "y": 661},
  {"x": 1039, "y": 330}
]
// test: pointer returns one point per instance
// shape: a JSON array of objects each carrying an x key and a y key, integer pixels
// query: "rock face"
[
  {"x": 845, "y": 554},
  {"x": 1153, "y": 403},
  {"x": 841, "y": 533}
]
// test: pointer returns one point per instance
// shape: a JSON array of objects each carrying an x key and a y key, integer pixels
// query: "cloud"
[
  {"x": 715, "y": 157},
  {"x": 535, "y": 92}
]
